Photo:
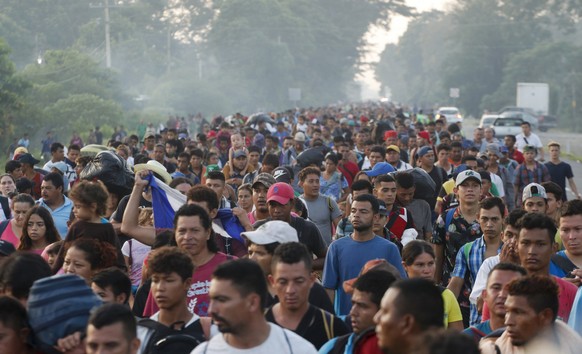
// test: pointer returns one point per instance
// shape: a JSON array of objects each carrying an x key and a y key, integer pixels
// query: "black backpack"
[{"x": 166, "y": 339}]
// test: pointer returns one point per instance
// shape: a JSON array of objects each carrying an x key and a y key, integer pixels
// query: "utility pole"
[{"x": 106, "y": 8}]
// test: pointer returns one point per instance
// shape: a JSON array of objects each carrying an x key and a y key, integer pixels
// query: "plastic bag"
[{"x": 112, "y": 170}]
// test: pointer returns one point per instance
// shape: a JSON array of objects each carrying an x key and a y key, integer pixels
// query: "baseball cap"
[
  {"x": 424, "y": 134},
  {"x": 381, "y": 168},
  {"x": 281, "y": 174},
  {"x": 299, "y": 136},
  {"x": 149, "y": 135},
  {"x": 423, "y": 151},
  {"x": 281, "y": 193},
  {"x": 465, "y": 175},
  {"x": 211, "y": 168},
  {"x": 393, "y": 147},
  {"x": 265, "y": 179},
  {"x": 239, "y": 153},
  {"x": 382, "y": 208},
  {"x": 272, "y": 231},
  {"x": 27, "y": 158},
  {"x": 494, "y": 149},
  {"x": 533, "y": 190},
  {"x": 390, "y": 134},
  {"x": 344, "y": 121},
  {"x": 529, "y": 148},
  {"x": 6, "y": 248}
]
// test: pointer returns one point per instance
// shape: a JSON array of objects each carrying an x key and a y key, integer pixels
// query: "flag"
[
  {"x": 230, "y": 224},
  {"x": 165, "y": 202}
]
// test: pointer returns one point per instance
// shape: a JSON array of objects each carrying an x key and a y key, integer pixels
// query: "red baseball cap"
[
  {"x": 425, "y": 135},
  {"x": 390, "y": 134},
  {"x": 281, "y": 193}
]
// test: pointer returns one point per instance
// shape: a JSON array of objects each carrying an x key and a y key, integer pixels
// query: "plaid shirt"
[
  {"x": 467, "y": 269},
  {"x": 524, "y": 176}
]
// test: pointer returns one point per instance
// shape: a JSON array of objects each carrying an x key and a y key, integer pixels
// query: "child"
[
  {"x": 51, "y": 252},
  {"x": 89, "y": 205}
]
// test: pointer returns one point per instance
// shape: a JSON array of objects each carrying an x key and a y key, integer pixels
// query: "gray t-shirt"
[
  {"x": 322, "y": 212},
  {"x": 422, "y": 216}
]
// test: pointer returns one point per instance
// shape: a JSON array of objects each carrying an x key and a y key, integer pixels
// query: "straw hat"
[{"x": 155, "y": 167}]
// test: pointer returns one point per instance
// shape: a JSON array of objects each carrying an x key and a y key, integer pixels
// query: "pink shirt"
[
  {"x": 198, "y": 298},
  {"x": 8, "y": 235}
]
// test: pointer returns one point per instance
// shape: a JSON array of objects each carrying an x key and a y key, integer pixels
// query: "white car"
[
  {"x": 487, "y": 120},
  {"x": 452, "y": 114},
  {"x": 507, "y": 126}
]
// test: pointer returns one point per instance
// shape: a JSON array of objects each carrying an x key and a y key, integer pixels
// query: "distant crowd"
[{"x": 362, "y": 228}]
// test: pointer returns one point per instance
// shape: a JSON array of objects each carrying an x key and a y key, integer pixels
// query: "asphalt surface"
[{"x": 571, "y": 145}]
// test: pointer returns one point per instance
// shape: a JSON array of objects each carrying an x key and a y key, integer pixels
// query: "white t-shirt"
[
  {"x": 532, "y": 139},
  {"x": 481, "y": 280},
  {"x": 139, "y": 252},
  {"x": 280, "y": 341}
]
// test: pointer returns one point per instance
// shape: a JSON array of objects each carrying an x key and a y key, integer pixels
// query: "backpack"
[{"x": 164, "y": 339}]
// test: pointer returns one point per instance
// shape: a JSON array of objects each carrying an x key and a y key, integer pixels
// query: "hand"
[
  {"x": 69, "y": 343},
  {"x": 243, "y": 217},
  {"x": 140, "y": 180},
  {"x": 509, "y": 253}
]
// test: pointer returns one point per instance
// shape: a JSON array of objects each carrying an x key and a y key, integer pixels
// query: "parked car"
[
  {"x": 507, "y": 126},
  {"x": 525, "y": 116},
  {"x": 544, "y": 121},
  {"x": 452, "y": 114},
  {"x": 487, "y": 120}
]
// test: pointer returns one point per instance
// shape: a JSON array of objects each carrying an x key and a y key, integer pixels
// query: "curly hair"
[
  {"x": 308, "y": 171},
  {"x": 99, "y": 254},
  {"x": 87, "y": 193},
  {"x": 166, "y": 260},
  {"x": 51, "y": 234},
  {"x": 540, "y": 291}
]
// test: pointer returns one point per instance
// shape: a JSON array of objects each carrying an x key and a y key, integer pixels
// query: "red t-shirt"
[
  {"x": 566, "y": 296},
  {"x": 198, "y": 298}
]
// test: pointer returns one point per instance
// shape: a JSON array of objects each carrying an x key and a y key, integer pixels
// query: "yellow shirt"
[{"x": 452, "y": 309}]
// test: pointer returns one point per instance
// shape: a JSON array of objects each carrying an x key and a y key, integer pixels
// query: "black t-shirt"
[
  {"x": 317, "y": 326},
  {"x": 118, "y": 214},
  {"x": 307, "y": 233},
  {"x": 317, "y": 297}
]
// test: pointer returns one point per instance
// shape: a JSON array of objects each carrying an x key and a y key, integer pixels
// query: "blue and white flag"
[{"x": 165, "y": 202}]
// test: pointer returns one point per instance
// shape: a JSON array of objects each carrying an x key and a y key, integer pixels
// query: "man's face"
[
  {"x": 391, "y": 140},
  {"x": 477, "y": 134},
  {"x": 554, "y": 152},
  {"x": 292, "y": 283},
  {"x": 386, "y": 192},
  {"x": 535, "y": 249},
  {"x": 495, "y": 293},
  {"x": 279, "y": 211},
  {"x": 191, "y": 236},
  {"x": 427, "y": 159},
  {"x": 228, "y": 308},
  {"x": 571, "y": 233},
  {"x": 529, "y": 156},
  {"x": 509, "y": 238},
  {"x": 553, "y": 204},
  {"x": 471, "y": 164},
  {"x": 169, "y": 290},
  {"x": 59, "y": 154},
  {"x": 491, "y": 222},
  {"x": 489, "y": 134},
  {"x": 344, "y": 150},
  {"x": 11, "y": 340},
  {"x": 159, "y": 154},
  {"x": 260, "y": 198},
  {"x": 456, "y": 153},
  {"x": 269, "y": 144},
  {"x": 287, "y": 143},
  {"x": 522, "y": 321},
  {"x": 392, "y": 156},
  {"x": 535, "y": 205},
  {"x": 526, "y": 129},
  {"x": 375, "y": 157},
  {"x": 240, "y": 163},
  {"x": 73, "y": 154},
  {"x": 508, "y": 141},
  {"x": 360, "y": 138},
  {"x": 405, "y": 195},
  {"x": 171, "y": 149},
  {"x": 254, "y": 158},
  {"x": 195, "y": 161},
  {"x": 259, "y": 254},
  {"x": 49, "y": 192},
  {"x": 443, "y": 156},
  {"x": 216, "y": 185},
  {"x": 362, "y": 216},
  {"x": 149, "y": 143},
  {"x": 388, "y": 322},
  {"x": 492, "y": 158},
  {"x": 469, "y": 191},
  {"x": 107, "y": 294},
  {"x": 363, "y": 311},
  {"x": 310, "y": 185},
  {"x": 183, "y": 163}
]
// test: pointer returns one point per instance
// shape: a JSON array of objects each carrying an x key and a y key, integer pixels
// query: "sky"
[{"x": 378, "y": 38}]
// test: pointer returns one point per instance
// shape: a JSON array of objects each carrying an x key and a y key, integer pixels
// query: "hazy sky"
[{"x": 379, "y": 38}]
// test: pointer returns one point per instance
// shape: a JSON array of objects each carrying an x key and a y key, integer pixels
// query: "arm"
[
  {"x": 455, "y": 285},
  {"x": 439, "y": 251},
  {"x": 129, "y": 225},
  {"x": 573, "y": 187}
]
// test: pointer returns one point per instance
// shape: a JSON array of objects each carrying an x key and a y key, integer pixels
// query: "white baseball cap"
[
  {"x": 272, "y": 231},
  {"x": 533, "y": 190},
  {"x": 465, "y": 175}
]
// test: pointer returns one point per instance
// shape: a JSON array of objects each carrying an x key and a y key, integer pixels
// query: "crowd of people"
[{"x": 344, "y": 229}]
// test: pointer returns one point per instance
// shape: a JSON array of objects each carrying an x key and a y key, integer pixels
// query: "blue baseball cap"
[{"x": 381, "y": 168}]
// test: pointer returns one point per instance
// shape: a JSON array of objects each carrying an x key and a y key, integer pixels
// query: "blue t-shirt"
[
  {"x": 483, "y": 327},
  {"x": 346, "y": 257}
]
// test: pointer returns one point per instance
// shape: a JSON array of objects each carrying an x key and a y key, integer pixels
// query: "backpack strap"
[
  {"x": 286, "y": 339},
  {"x": 3, "y": 226},
  {"x": 328, "y": 326},
  {"x": 339, "y": 346},
  {"x": 449, "y": 218},
  {"x": 467, "y": 249},
  {"x": 563, "y": 263}
]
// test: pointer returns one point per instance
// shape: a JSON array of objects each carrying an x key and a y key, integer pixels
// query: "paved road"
[{"x": 571, "y": 143}]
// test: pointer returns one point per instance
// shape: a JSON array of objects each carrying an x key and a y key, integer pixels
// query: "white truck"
[{"x": 535, "y": 96}]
